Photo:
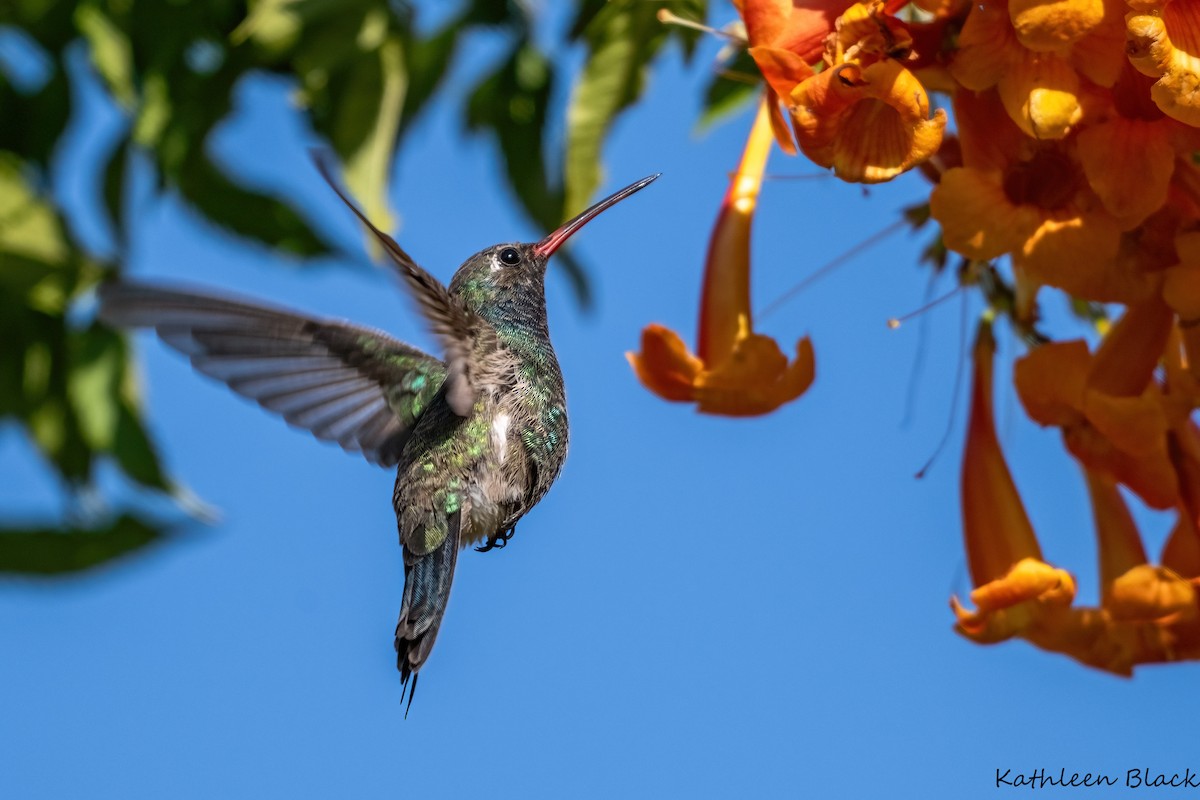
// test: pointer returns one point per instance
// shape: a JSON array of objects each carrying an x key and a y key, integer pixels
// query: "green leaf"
[
  {"x": 735, "y": 85},
  {"x": 75, "y": 393},
  {"x": 332, "y": 47},
  {"x": 96, "y": 370},
  {"x": 42, "y": 116},
  {"x": 694, "y": 10},
  {"x": 577, "y": 278},
  {"x": 368, "y": 122},
  {"x": 47, "y": 21},
  {"x": 135, "y": 452},
  {"x": 114, "y": 190},
  {"x": 244, "y": 212},
  {"x": 273, "y": 25},
  {"x": 512, "y": 105},
  {"x": 622, "y": 37},
  {"x": 28, "y": 226},
  {"x": 34, "y": 365},
  {"x": 276, "y": 26},
  {"x": 53, "y": 551},
  {"x": 26, "y": 358},
  {"x": 514, "y": 13},
  {"x": 38, "y": 264},
  {"x": 154, "y": 113},
  {"x": 110, "y": 51},
  {"x": 584, "y": 16},
  {"x": 354, "y": 72},
  {"x": 56, "y": 433}
]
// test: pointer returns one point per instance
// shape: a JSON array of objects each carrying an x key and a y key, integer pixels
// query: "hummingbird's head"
[
  {"x": 500, "y": 276},
  {"x": 510, "y": 271}
]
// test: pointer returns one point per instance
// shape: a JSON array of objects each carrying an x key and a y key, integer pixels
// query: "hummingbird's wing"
[
  {"x": 355, "y": 386},
  {"x": 458, "y": 328}
]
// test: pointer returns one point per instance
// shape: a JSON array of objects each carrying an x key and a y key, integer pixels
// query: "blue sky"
[{"x": 701, "y": 607}]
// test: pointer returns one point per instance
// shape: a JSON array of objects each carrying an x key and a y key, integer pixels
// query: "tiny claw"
[{"x": 497, "y": 540}]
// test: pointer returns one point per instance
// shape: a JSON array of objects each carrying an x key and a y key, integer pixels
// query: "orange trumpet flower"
[{"x": 735, "y": 371}]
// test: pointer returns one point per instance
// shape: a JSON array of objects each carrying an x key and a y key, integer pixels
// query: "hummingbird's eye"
[{"x": 510, "y": 256}]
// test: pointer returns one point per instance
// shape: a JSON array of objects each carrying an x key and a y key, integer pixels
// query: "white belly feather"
[
  {"x": 489, "y": 492},
  {"x": 500, "y": 436}
]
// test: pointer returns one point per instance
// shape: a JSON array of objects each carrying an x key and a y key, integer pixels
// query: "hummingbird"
[{"x": 477, "y": 436}]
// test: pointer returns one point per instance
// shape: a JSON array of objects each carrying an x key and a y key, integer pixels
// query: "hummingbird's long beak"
[{"x": 546, "y": 247}]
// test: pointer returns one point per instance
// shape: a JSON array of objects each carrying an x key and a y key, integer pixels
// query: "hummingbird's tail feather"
[{"x": 427, "y": 581}]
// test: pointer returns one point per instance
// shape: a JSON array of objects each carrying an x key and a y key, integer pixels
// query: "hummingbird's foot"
[{"x": 498, "y": 540}]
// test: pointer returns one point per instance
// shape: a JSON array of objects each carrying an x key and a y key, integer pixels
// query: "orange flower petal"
[
  {"x": 1187, "y": 247},
  {"x": 1124, "y": 437},
  {"x": 1126, "y": 359},
  {"x": 1134, "y": 425},
  {"x": 1076, "y": 251},
  {"x": 1180, "y": 395},
  {"x": 987, "y": 47},
  {"x": 1054, "y": 25},
  {"x": 996, "y": 530},
  {"x": 1182, "y": 550},
  {"x": 1014, "y": 604},
  {"x": 862, "y": 30},
  {"x": 782, "y": 69},
  {"x": 1119, "y": 544},
  {"x": 1100, "y": 55},
  {"x": 1181, "y": 553},
  {"x": 799, "y": 28},
  {"x": 1181, "y": 290},
  {"x": 1148, "y": 474},
  {"x": 1147, "y": 593},
  {"x": 1181, "y": 283},
  {"x": 976, "y": 216},
  {"x": 1041, "y": 92},
  {"x": 766, "y": 20},
  {"x": 868, "y": 124},
  {"x": 1029, "y": 579},
  {"x": 756, "y": 378},
  {"x": 1167, "y": 46},
  {"x": 779, "y": 124},
  {"x": 943, "y": 8},
  {"x": 1090, "y": 636},
  {"x": 1051, "y": 379},
  {"x": 665, "y": 366},
  {"x": 725, "y": 297},
  {"x": 1190, "y": 333},
  {"x": 991, "y": 627},
  {"x": 1129, "y": 163},
  {"x": 990, "y": 140}
]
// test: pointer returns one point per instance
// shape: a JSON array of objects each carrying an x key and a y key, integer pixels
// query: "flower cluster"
[
  {"x": 1076, "y": 158},
  {"x": 1075, "y": 125},
  {"x": 1125, "y": 427},
  {"x": 863, "y": 114}
]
